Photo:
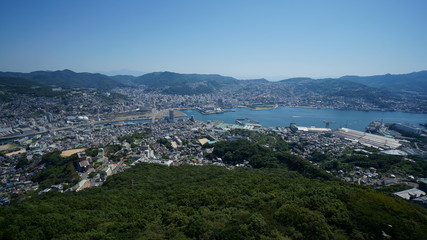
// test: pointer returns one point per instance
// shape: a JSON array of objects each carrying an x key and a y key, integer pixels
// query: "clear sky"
[{"x": 243, "y": 39}]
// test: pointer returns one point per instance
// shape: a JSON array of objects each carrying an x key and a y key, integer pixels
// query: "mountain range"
[
  {"x": 10, "y": 85},
  {"x": 68, "y": 79},
  {"x": 415, "y": 82},
  {"x": 176, "y": 83}
]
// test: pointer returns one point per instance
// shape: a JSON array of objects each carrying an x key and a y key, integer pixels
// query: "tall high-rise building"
[
  {"x": 171, "y": 115},
  {"x": 49, "y": 117},
  {"x": 153, "y": 115}
]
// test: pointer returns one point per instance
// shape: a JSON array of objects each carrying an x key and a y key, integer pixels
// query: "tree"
[
  {"x": 22, "y": 162},
  {"x": 303, "y": 223}
]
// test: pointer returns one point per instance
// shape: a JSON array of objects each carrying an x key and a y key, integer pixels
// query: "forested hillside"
[
  {"x": 68, "y": 79},
  {"x": 13, "y": 85},
  {"x": 415, "y": 82},
  {"x": 190, "y": 202},
  {"x": 175, "y": 83}
]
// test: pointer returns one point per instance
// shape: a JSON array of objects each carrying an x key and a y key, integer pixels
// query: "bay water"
[{"x": 283, "y": 116}]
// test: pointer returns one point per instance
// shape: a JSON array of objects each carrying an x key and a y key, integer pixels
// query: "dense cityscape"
[
  {"x": 86, "y": 119},
  {"x": 213, "y": 120},
  {"x": 57, "y": 140}
]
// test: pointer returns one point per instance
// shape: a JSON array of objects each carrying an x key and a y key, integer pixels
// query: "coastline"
[
  {"x": 309, "y": 107},
  {"x": 178, "y": 113},
  {"x": 160, "y": 114},
  {"x": 260, "y": 107}
]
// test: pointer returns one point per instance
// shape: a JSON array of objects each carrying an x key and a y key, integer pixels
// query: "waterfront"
[{"x": 283, "y": 116}]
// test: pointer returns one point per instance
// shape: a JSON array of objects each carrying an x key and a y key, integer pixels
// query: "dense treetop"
[{"x": 190, "y": 202}]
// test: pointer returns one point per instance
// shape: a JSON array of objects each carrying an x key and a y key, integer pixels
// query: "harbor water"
[{"x": 283, "y": 116}]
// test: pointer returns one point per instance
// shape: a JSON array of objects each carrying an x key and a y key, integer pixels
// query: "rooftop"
[
  {"x": 407, "y": 194},
  {"x": 368, "y": 138}
]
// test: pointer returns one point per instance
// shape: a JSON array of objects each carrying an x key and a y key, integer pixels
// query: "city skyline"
[{"x": 242, "y": 39}]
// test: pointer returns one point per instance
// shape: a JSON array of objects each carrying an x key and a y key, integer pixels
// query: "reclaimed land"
[
  {"x": 261, "y": 107},
  {"x": 158, "y": 115}
]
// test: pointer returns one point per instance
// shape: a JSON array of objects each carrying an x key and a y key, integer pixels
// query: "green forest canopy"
[{"x": 193, "y": 202}]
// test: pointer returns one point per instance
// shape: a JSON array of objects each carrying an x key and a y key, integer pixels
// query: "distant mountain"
[
  {"x": 402, "y": 83},
  {"x": 11, "y": 82},
  {"x": 398, "y": 83},
  {"x": 344, "y": 88},
  {"x": 257, "y": 81},
  {"x": 12, "y": 85},
  {"x": 123, "y": 72},
  {"x": 332, "y": 90},
  {"x": 297, "y": 79},
  {"x": 124, "y": 79},
  {"x": 68, "y": 79},
  {"x": 160, "y": 79},
  {"x": 336, "y": 87},
  {"x": 175, "y": 83}
]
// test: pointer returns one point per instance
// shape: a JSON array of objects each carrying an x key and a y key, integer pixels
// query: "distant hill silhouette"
[
  {"x": 68, "y": 79},
  {"x": 398, "y": 83},
  {"x": 411, "y": 82},
  {"x": 160, "y": 79},
  {"x": 10, "y": 82},
  {"x": 124, "y": 79},
  {"x": 13, "y": 85},
  {"x": 175, "y": 83}
]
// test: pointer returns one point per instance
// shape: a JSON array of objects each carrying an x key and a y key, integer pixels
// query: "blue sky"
[{"x": 243, "y": 39}]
